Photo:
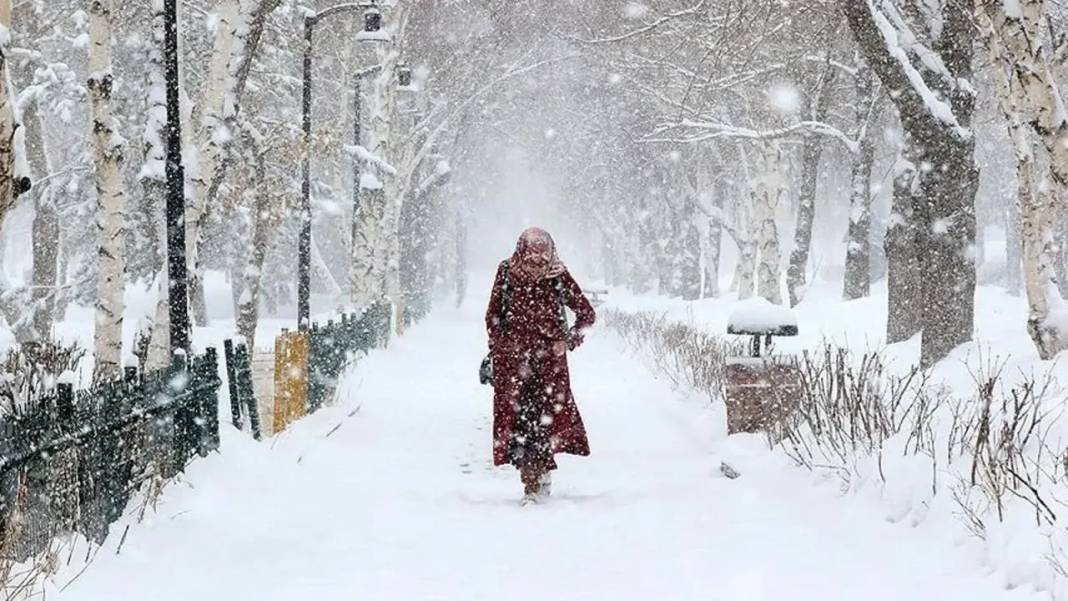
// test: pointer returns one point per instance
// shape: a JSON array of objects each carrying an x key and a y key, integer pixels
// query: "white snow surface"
[{"x": 400, "y": 502}]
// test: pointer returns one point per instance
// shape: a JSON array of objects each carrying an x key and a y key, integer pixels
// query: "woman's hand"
[{"x": 575, "y": 338}]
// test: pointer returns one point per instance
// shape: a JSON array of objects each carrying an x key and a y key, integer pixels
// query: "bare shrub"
[
  {"x": 29, "y": 372},
  {"x": 687, "y": 356},
  {"x": 849, "y": 407}
]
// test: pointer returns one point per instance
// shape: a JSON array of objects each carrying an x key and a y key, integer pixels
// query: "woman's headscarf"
[{"x": 535, "y": 257}]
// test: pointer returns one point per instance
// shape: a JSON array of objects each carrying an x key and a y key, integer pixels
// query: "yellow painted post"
[{"x": 290, "y": 378}]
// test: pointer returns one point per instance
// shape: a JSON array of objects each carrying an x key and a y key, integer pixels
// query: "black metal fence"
[
  {"x": 71, "y": 461},
  {"x": 334, "y": 344},
  {"x": 239, "y": 385}
]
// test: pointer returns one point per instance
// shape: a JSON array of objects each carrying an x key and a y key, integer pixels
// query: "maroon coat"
[{"x": 532, "y": 326}]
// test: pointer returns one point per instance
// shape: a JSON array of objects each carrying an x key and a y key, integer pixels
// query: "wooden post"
[{"x": 290, "y": 378}]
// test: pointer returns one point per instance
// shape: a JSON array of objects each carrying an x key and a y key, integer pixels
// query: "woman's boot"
[
  {"x": 531, "y": 477},
  {"x": 545, "y": 484}
]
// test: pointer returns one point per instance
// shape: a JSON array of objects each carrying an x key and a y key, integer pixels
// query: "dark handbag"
[{"x": 485, "y": 371}]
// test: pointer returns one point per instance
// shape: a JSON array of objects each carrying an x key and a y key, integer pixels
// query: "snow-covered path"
[{"x": 400, "y": 503}]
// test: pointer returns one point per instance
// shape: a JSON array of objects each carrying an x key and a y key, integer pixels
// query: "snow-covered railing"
[{"x": 69, "y": 462}]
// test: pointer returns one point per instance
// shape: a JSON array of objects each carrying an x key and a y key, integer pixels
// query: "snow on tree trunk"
[
  {"x": 769, "y": 191},
  {"x": 1028, "y": 94},
  {"x": 935, "y": 102},
  {"x": 857, "y": 281},
  {"x": 107, "y": 148},
  {"x": 811, "y": 150}
]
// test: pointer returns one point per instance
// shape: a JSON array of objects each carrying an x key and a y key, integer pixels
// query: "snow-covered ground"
[{"x": 390, "y": 495}]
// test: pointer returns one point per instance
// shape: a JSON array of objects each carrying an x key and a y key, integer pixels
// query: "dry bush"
[
  {"x": 1002, "y": 432},
  {"x": 849, "y": 407},
  {"x": 687, "y": 356},
  {"x": 22, "y": 579},
  {"x": 29, "y": 372}
]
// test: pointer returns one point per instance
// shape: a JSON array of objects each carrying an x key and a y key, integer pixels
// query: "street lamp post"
[
  {"x": 177, "y": 293},
  {"x": 371, "y": 23}
]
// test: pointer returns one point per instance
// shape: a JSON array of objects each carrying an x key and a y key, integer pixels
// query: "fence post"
[
  {"x": 316, "y": 341},
  {"x": 231, "y": 384},
  {"x": 177, "y": 387},
  {"x": 245, "y": 391},
  {"x": 209, "y": 401}
]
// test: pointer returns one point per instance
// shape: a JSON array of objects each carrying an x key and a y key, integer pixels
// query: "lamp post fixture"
[{"x": 372, "y": 23}]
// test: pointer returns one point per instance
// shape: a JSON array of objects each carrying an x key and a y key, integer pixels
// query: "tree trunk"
[
  {"x": 903, "y": 277},
  {"x": 692, "y": 268},
  {"x": 939, "y": 130},
  {"x": 45, "y": 227},
  {"x": 769, "y": 273},
  {"x": 107, "y": 147},
  {"x": 857, "y": 282},
  {"x": 713, "y": 247},
  {"x": 1013, "y": 248},
  {"x": 249, "y": 300},
  {"x": 375, "y": 250},
  {"x": 211, "y": 140},
  {"x": 461, "y": 259},
  {"x": 1028, "y": 95},
  {"x": 154, "y": 186},
  {"x": 7, "y": 124},
  {"x": 812, "y": 148}
]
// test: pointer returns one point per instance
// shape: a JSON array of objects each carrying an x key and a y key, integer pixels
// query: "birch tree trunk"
[
  {"x": 857, "y": 281},
  {"x": 714, "y": 245},
  {"x": 154, "y": 186},
  {"x": 107, "y": 148},
  {"x": 377, "y": 217},
  {"x": 249, "y": 301},
  {"x": 211, "y": 139},
  {"x": 1028, "y": 95},
  {"x": 769, "y": 274}
]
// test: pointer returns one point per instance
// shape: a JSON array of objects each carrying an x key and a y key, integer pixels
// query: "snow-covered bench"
[{"x": 761, "y": 389}]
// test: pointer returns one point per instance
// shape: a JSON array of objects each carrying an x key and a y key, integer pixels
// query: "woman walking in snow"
[{"x": 534, "y": 412}]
